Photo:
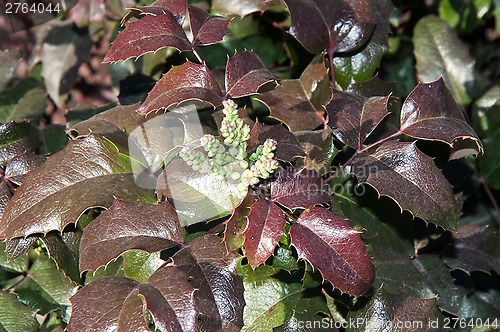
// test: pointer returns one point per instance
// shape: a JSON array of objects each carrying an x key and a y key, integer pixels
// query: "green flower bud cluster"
[{"x": 227, "y": 160}]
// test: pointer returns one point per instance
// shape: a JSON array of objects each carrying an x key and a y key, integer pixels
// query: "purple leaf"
[
  {"x": 245, "y": 74},
  {"x": 207, "y": 29},
  {"x": 189, "y": 81},
  {"x": 266, "y": 223},
  {"x": 19, "y": 166},
  {"x": 288, "y": 146},
  {"x": 149, "y": 34},
  {"x": 335, "y": 249},
  {"x": 300, "y": 189},
  {"x": 430, "y": 113}
]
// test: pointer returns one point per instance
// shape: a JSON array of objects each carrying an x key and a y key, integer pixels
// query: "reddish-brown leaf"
[
  {"x": 288, "y": 146},
  {"x": 265, "y": 226},
  {"x": 189, "y": 81},
  {"x": 245, "y": 74},
  {"x": 236, "y": 225},
  {"x": 300, "y": 189},
  {"x": 19, "y": 166},
  {"x": 119, "y": 229},
  {"x": 335, "y": 249},
  {"x": 149, "y": 34},
  {"x": 353, "y": 117},
  {"x": 207, "y": 29},
  {"x": 175, "y": 7},
  {"x": 431, "y": 113}
]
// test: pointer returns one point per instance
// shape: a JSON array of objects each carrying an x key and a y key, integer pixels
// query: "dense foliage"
[{"x": 287, "y": 165}]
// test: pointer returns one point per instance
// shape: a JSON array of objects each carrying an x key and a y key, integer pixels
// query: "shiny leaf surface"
[
  {"x": 243, "y": 7},
  {"x": 288, "y": 146},
  {"x": 207, "y": 29}
]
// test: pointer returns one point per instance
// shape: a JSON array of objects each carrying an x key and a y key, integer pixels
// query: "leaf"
[
  {"x": 87, "y": 173},
  {"x": 373, "y": 87},
  {"x": 88, "y": 11},
  {"x": 353, "y": 118},
  {"x": 24, "y": 102},
  {"x": 118, "y": 230},
  {"x": 319, "y": 149},
  {"x": 299, "y": 104},
  {"x": 474, "y": 248},
  {"x": 15, "y": 248},
  {"x": 237, "y": 223},
  {"x": 266, "y": 223},
  {"x": 219, "y": 295},
  {"x": 243, "y": 7},
  {"x": 16, "y": 138},
  {"x": 337, "y": 26},
  {"x": 440, "y": 53},
  {"x": 335, "y": 249},
  {"x": 63, "y": 51},
  {"x": 16, "y": 316},
  {"x": 53, "y": 139},
  {"x": 288, "y": 146},
  {"x": 400, "y": 171},
  {"x": 245, "y": 74},
  {"x": 189, "y": 81},
  {"x": 139, "y": 265},
  {"x": 206, "y": 29},
  {"x": 150, "y": 34},
  {"x": 385, "y": 309},
  {"x": 120, "y": 307},
  {"x": 20, "y": 264},
  {"x": 486, "y": 112},
  {"x": 300, "y": 189},
  {"x": 176, "y": 7},
  {"x": 64, "y": 250},
  {"x": 430, "y": 113},
  {"x": 19, "y": 166},
  {"x": 9, "y": 60},
  {"x": 489, "y": 164}
]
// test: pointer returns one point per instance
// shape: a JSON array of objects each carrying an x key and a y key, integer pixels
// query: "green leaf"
[
  {"x": 24, "y": 102},
  {"x": 89, "y": 172},
  {"x": 53, "y": 139},
  {"x": 440, "y": 53},
  {"x": 20, "y": 264},
  {"x": 139, "y": 265},
  {"x": 489, "y": 163},
  {"x": 16, "y": 138},
  {"x": 16, "y": 316},
  {"x": 486, "y": 112},
  {"x": 9, "y": 59},
  {"x": 64, "y": 250}
]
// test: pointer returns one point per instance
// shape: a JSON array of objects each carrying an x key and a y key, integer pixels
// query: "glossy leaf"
[
  {"x": 266, "y": 223},
  {"x": 245, "y": 74},
  {"x": 299, "y": 103},
  {"x": 243, "y": 7},
  {"x": 237, "y": 223},
  {"x": 189, "y": 81},
  {"x": 300, "y": 189},
  {"x": 15, "y": 248},
  {"x": 15, "y": 139},
  {"x": 177, "y": 8},
  {"x": 206, "y": 29},
  {"x": 20, "y": 264},
  {"x": 24, "y": 102},
  {"x": 288, "y": 146},
  {"x": 319, "y": 148},
  {"x": 430, "y": 113},
  {"x": 353, "y": 118},
  {"x": 373, "y": 87},
  {"x": 19, "y": 166},
  {"x": 211, "y": 270},
  {"x": 64, "y": 250},
  {"x": 87, "y": 173},
  {"x": 118, "y": 230},
  {"x": 149, "y": 34},
  {"x": 335, "y": 249},
  {"x": 16, "y": 316},
  {"x": 139, "y": 265},
  {"x": 9, "y": 60},
  {"x": 439, "y": 53}
]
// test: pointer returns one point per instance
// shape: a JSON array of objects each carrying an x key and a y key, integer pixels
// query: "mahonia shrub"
[{"x": 339, "y": 208}]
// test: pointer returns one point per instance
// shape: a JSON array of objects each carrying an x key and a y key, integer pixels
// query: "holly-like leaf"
[
  {"x": 245, "y": 74},
  {"x": 243, "y": 7},
  {"x": 236, "y": 225},
  {"x": 176, "y": 7},
  {"x": 440, "y": 53},
  {"x": 211, "y": 270},
  {"x": 139, "y": 265},
  {"x": 430, "y": 113},
  {"x": 118, "y": 230},
  {"x": 15, "y": 315},
  {"x": 19, "y": 166},
  {"x": 15, "y": 248},
  {"x": 189, "y": 81},
  {"x": 206, "y": 29},
  {"x": 373, "y": 87},
  {"x": 87, "y": 173},
  {"x": 19, "y": 265},
  {"x": 288, "y": 146},
  {"x": 402, "y": 172},
  {"x": 319, "y": 149},
  {"x": 474, "y": 248},
  {"x": 149, "y": 34},
  {"x": 335, "y": 249},
  {"x": 353, "y": 118},
  {"x": 15, "y": 139},
  {"x": 385, "y": 309},
  {"x": 299, "y": 104},
  {"x": 266, "y": 223},
  {"x": 24, "y": 102},
  {"x": 9, "y": 59},
  {"x": 300, "y": 189},
  {"x": 64, "y": 250}
]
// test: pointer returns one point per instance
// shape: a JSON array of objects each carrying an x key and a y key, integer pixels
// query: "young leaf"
[
  {"x": 335, "y": 249},
  {"x": 206, "y": 29},
  {"x": 189, "y": 81},
  {"x": 266, "y": 223},
  {"x": 118, "y": 230},
  {"x": 300, "y": 189},
  {"x": 149, "y": 34},
  {"x": 402, "y": 172},
  {"x": 15, "y": 139},
  {"x": 299, "y": 104},
  {"x": 288, "y": 146},
  {"x": 236, "y": 225},
  {"x": 430, "y": 113},
  {"x": 15, "y": 315},
  {"x": 24, "y": 102},
  {"x": 243, "y": 7},
  {"x": 353, "y": 118},
  {"x": 439, "y": 53},
  {"x": 87, "y": 173},
  {"x": 211, "y": 270},
  {"x": 245, "y": 74}
]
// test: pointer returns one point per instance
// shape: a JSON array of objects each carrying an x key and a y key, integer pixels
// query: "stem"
[
  {"x": 399, "y": 132},
  {"x": 197, "y": 55},
  {"x": 25, "y": 275},
  {"x": 330, "y": 60},
  {"x": 490, "y": 195}
]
